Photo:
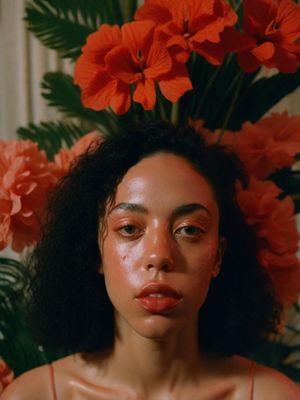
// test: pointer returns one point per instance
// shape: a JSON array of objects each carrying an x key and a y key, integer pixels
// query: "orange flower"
[
  {"x": 6, "y": 375},
  {"x": 273, "y": 31},
  {"x": 269, "y": 145},
  {"x": 114, "y": 61},
  {"x": 188, "y": 25},
  {"x": 65, "y": 157},
  {"x": 26, "y": 177},
  {"x": 98, "y": 88},
  {"x": 227, "y": 138},
  {"x": 274, "y": 224}
]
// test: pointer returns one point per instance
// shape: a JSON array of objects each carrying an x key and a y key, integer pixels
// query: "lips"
[{"x": 157, "y": 298}]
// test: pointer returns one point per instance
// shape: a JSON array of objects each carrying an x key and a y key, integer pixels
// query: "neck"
[{"x": 155, "y": 366}]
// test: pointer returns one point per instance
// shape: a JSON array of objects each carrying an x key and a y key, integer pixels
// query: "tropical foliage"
[{"x": 196, "y": 62}]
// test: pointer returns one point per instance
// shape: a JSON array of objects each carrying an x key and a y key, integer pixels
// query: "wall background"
[{"x": 23, "y": 61}]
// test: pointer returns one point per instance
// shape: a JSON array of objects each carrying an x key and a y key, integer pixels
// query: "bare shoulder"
[
  {"x": 272, "y": 384},
  {"x": 32, "y": 385}
]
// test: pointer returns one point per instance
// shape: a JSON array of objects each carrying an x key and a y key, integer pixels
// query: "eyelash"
[
  {"x": 197, "y": 232},
  {"x": 135, "y": 231},
  {"x": 123, "y": 231}
]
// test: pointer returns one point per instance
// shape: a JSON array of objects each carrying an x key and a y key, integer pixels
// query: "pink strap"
[
  {"x": 251, "y": 378},
  {"x": 52, "y": 379}
]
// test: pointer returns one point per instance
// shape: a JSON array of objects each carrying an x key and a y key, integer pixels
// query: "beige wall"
[{"x": 23, "y": 61}]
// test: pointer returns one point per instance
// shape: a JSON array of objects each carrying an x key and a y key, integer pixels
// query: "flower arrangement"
[{"x": 187, "y": 61}]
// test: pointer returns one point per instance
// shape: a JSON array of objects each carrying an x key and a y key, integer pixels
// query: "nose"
[{"x": 159, "y": 253}]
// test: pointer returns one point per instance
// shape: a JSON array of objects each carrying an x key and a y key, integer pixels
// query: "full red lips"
[{"x": 168, "y": 300}]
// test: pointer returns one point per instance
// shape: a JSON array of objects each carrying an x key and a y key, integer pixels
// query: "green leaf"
[
  {"x": 18, "y": 347},
  {"x": 51, "y": 136},
  {"x": 262, "y": 96},
  {"x": 16, "y": 344},
  {"x": 65, "y": 25}
]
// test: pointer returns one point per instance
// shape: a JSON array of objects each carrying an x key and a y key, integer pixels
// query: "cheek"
[
  {"x": 204, "y": 268},
  {"x": 120, "y": 263}
]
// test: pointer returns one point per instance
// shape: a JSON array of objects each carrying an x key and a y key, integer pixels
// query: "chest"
[{"x": 76, "y": 389}]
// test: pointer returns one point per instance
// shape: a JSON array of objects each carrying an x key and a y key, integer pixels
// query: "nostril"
[{"x": 160, "y": 264}]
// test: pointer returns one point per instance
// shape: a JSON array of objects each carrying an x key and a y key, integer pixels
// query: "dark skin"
[{"x": 162, "y": 227}]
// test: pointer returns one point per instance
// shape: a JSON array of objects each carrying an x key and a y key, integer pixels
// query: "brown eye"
[
  {"x": 129, "y": 230},
  {"x": 189, "y": 231}
]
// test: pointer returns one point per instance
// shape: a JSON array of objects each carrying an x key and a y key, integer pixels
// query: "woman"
[{"x": 147, "y": 273}]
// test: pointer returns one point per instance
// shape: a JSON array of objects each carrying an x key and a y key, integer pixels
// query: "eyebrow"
[{"x": 177, "y": 212}]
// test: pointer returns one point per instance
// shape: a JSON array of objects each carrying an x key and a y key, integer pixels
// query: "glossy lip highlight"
[
  {"x": 155, "y": 287},
  {"x": 158, "y": 304}
]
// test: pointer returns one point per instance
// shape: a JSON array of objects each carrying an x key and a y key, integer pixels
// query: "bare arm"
[
  {"x": 32, "y": 385},
  {"x": 270, "y": 384}
]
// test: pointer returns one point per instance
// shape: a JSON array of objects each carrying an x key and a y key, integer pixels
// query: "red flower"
[
  {"x": 26, "y": 177},
  {"x": 65, "y": 157},
  {"x": 275, "y": 227},
  {"x": 6, "y": 375},
  {"x": 227, "y": 138},
  {"x": 269, "y": 145},
  {"x": 115, "y": 61},
  {"x": 99, "y": 88},
  {"x": 188, "y": 25},
  {"x": 273, "y": 31}
]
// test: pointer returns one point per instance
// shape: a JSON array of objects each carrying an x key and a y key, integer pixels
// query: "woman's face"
[{"x": 161, "y": 247}]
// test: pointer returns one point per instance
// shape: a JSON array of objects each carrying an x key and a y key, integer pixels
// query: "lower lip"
[{"x": 158, "y": 304}]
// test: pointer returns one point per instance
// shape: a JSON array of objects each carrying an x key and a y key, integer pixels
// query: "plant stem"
[
  {"x": 128, "y": 6},
  {"x": 232, "y": 104},
  {"x": 206, "y": 91},
  {"x": 174, "y": 113},
  {"x": 162, "y": 110}
]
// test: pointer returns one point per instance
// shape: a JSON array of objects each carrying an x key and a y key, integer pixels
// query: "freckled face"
[{"x": 162, "y": 228}]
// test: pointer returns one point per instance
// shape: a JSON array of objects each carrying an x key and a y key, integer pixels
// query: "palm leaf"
[
  {"x": 18, "y": 346},
  {"x": 64, "y": 25},
  {"x": 51, "y": 136}
]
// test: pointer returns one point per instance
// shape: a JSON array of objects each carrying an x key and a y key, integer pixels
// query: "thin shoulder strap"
[
  {"x": 251, "y": 379},
  {"x": 52, "y": 380}
]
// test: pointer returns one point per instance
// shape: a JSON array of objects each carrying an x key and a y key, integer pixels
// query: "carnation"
[
  {"x": 65, "y": 157},
  {"x": 26, "y": 178}
]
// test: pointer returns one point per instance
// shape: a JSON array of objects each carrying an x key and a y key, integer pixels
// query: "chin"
[{"x": 157, "y": 327}]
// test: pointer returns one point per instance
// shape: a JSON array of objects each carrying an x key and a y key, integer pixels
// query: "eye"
[
  {"x": 189, "y": 231},
  {"x": 129, "y": 230}
]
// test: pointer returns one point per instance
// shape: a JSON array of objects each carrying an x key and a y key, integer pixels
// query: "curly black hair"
[{"x": 68, "y": 299}]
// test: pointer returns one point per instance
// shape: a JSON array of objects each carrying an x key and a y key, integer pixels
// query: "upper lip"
[{"x": 155, "y": 287}]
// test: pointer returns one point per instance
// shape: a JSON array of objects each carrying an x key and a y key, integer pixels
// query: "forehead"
[{"x": 167, "y": 180}]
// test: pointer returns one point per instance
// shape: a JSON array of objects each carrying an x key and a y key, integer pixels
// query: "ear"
[{"x": 219, "y": 257}]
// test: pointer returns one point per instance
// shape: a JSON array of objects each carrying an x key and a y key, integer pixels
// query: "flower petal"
[
  {"x": 121, "y": 100},
  {"x": 99, "y": 93},
  {"x": 137, "y": 38},
  {"x": 155, "y": 10},
  {"x": 101, "y": 42},
  {"x": 175, "y": 83},
  {"x": 263, "y": 52},
  {"x": 145, "y": 94},
  {"x": 121, "y": 65}
]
